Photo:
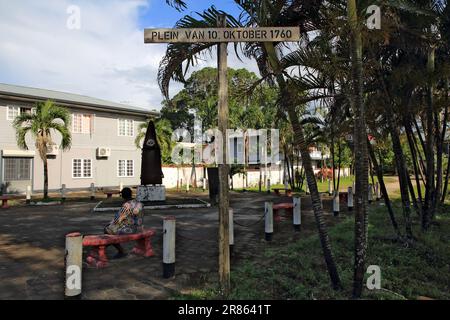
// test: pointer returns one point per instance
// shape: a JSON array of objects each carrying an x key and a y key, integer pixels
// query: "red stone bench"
[
  {"x": 109, "y": 193},
  {"x": 7, "y": 197},
  {"x": 287, "y": 191},
  {"x": 343, "y": 197},
  {"x": 287, "y": 206},
  {"x": 97, "y": 257}
]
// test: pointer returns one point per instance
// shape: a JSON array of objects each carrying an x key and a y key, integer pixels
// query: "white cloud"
[{"x": 105, "y": 59}]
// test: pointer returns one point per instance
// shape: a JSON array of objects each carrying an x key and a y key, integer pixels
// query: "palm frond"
[
  {"x": 63, "y": 130},
  {"x": 56, "y": 112},
  {"x": 171, "y": 66},
  {"x": 22, "y": 119},
  {"x": 180, "y": 5},
  {"x": 21, "y": 133}
]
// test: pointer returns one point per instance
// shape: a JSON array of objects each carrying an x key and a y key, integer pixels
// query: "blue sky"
[
  {"x": 105, "y": 58},
  {"x": 159, "y": 15}
]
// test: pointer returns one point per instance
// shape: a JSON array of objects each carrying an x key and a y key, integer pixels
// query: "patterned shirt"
[{"x": 129, "y": 219}]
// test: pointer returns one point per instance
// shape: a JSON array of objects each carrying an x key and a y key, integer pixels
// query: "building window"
[
  {"x": 87, "y": 168},
  {"x": 82, "y": 123},
  {"x": 240, "y": 149},
  {"x": 125, "y": 168},
  {"x": 82, "y": 168},
  {"x": 17, "y": 169},
  {"x": 12, "y": 113},
  {"x": 126, "y": 128}
]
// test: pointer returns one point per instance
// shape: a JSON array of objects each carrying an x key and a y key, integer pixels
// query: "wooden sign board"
[{"x": 265, "y": 34}]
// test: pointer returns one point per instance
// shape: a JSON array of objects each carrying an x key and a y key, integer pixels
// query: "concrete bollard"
[
  {"x": 268, "y": 221},
  {"x": 187, "y": 186},
  {"x": 121, "y": 186},
  {"x": 231, "y": 228},
  {"x": 28, "y": 194},
  {"x": 370, "y": 194},
  {"x": 350, "y": 199},
  {"x": 297, "y": 213},
  {"x": 204, "y": 184},
  {"x": 330, "y": 192},
  {"x": 377, "y": 191},
  {"x": 336, "y": 204},
  {"x": 169, "y": 224},
  {"x": 73, "y": 265},
  {"x": 92, "y": 191},
  {"x": 63, "y": 192}
]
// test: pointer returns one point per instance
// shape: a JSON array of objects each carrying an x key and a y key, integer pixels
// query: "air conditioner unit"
[
  {"x": 103, "y": 152},
  {"x": 53, "y": 150}
]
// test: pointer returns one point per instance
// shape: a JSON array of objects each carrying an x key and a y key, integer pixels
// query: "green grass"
[
  {"x": 298, "y": 271},
  {"x": 323, "y": 186}
]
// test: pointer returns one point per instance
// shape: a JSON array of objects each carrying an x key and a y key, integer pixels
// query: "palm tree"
[
  {"x": 361, "y": 152},
  {"x": 163, "y": 134},
  {"x": 47, "y": 118},
  {"x": 260, "y": 13}
]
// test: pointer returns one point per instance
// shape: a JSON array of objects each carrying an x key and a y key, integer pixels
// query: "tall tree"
[
  {"x": 260, "y": 13},
  {"x": 361, "y": 154},
  {"x": 47, "y": 118}
]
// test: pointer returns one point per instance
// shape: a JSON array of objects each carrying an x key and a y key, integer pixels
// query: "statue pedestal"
[{"x": 151, "y": 193}]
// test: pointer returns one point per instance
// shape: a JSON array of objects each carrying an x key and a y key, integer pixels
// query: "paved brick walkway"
[{"x": 32, "y": 248}]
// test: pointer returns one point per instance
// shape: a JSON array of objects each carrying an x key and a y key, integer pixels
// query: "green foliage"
[
  {"x": 164, "y": 131},
  {"x": 200, "y": 94},
  {"x": 297, "y": 271},
  {"x": 47, "y": 118}
]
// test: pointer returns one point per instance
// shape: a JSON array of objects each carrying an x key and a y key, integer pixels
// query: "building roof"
[{"x": 69, "y": 99}]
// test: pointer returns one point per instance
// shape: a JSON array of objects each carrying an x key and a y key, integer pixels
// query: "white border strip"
[{"x": 204, "y": 204}]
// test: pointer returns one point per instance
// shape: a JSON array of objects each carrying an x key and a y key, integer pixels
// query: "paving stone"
[{"x": 32, "y": 249}]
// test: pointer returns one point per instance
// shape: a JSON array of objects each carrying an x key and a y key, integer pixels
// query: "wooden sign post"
[
  {"x": 222, "y": 35},
  {"x": 224, "y": 235}
]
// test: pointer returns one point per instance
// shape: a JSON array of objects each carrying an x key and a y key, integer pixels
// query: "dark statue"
[{"x": 151, "y": 170}]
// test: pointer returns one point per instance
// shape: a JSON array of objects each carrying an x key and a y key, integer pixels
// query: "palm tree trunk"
[
  {"x": 409, "y": 135},
  {"x": 292, "y": 169},
  {"x": 339, "y": 169},
  {"x": 440, "y": 150},
  {"x": 428, "y": 207},
  {"x": 399, "y": 158},
  {"x": 400, "y": 164},
  {"x": 300, "y": 143},
  {"x": 332, "y": 162},
  {"x": 444, "y": 130},
  {"x": 315, "y": 199},
  {"x": 421, "y": 167},
  {"x": 45, "y": 178},
  {"x": 447, "y": 175},
  {"x": 387, "y": 201},
  {"x": 361, "y": 154},
  {"x": 422, "y": 145}
]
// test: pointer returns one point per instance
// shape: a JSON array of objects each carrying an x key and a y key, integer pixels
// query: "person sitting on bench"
[{"x": 129, "y": 219}]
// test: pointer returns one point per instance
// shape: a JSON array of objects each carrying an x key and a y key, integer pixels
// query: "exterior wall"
[
  {"x": 173, "y": 174},
  {"x": 84, "y": 146},
  {"x": 104, "y": 170},
  {"x": 276, "y": 174}
]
